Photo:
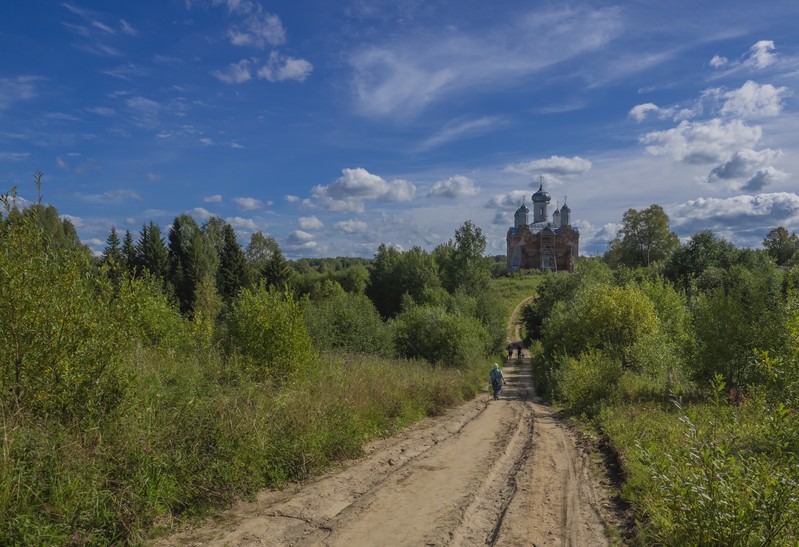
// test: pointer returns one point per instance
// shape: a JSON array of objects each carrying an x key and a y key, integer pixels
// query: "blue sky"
[{"x": 339, "y": 125}]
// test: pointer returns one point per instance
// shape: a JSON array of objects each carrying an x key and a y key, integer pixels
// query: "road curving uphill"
[{"x": 488, "y": 472}]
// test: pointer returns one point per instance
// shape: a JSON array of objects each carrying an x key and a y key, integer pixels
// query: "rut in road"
[{"x": 504, "y": 472}]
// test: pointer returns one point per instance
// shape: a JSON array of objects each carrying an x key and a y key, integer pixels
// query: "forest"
[{"x": 179, "y": 372}]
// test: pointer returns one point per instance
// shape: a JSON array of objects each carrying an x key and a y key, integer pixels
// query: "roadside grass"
[
  {"x": 708, "y": 473},
  {"x": 193, "y": 433}
]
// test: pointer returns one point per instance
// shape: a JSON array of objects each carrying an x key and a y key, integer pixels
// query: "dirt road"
[{"x": 486, "y": 473}]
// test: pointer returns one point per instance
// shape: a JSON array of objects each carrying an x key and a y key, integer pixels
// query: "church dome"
[{"x": 541, "y": 195}]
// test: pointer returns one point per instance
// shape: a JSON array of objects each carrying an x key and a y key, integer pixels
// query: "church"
[{"x": 543, "y": 244}]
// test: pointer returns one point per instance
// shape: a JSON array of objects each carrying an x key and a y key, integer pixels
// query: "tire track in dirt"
[{"x": 501, "y": 472}]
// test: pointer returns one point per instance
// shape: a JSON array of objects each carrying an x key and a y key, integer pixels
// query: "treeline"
[
  {"x": 685, "y": 357},
  {"x": 177, "y": 373}
]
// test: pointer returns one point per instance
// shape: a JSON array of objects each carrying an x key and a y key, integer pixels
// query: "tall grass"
[{"x": 193, "y": 433}]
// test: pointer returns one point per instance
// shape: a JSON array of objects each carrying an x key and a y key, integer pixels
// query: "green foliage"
[
  {"x": 232, "y": 273},
  {"x": 731, "y": 323},
  {"x": 277, "y": 272},
  {"x": 438, "y": 336},
  {"x": 704, "y": 256},
  {"x": 463, "y": 266},
  {"x": 602, "y": 317},
  {"x": 191, "y": 258},
  {"x": 780, "y": 245},
  {"x": 396, "y": 274},
  {"x": 59, "y": 350},
  {"x": 147, "y": 316},
  {"x": 151, "y": 252},
  {"x": 586, "y": 381},
  {"x": 348, "y": 321},
  {"x": 267, "y": 327},
  {"x": 643, "y": 238}
]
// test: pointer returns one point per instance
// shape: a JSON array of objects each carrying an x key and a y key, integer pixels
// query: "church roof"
[{"x": 541, "y": 195}]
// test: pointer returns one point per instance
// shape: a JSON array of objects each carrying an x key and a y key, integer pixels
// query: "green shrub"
[
  {"x": 433, "y": 334},
  {"x": 586, "y": 381},
  {"x": 348, "y": 321},
  {"x": 267, "y": 327}
]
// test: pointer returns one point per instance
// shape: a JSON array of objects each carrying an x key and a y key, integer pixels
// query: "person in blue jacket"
[{"x": 497, "y": 380}]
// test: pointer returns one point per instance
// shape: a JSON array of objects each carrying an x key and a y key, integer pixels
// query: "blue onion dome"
[
  {"x": 541, "y": 195},
  {"x": 524, "y": 208},
  {"x": 565, "y": 208}
]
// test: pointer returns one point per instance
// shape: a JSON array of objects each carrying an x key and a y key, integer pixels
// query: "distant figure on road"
[
  {"x": 520, "y": 353},
  {"x": 497, "y": 380},
  {"x": 510, "y": 351}
]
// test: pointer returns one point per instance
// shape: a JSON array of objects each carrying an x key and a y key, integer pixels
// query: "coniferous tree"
[
  {"x": 112, "y": 256},
  {"x": 129, "y": 253},
  {"x": 152, "y": 252},
  {"x": 232, "y": 274},
  {"x": 191, "y": 257},
  {"x": 277, "y": 272},
  {"x": 258, "y": 252}
]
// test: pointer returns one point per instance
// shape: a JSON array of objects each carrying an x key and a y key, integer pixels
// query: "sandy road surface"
[{"x": 486, "y": 473}]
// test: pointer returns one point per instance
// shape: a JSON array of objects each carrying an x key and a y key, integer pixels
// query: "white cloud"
[
  {"x": 241, "y": 223},
  {"x": 351, "y": 226},
  {"x": 280, "y": 68},
  {"x": 310, "y": 223},
  {"x": 760, "y": 54},
  {"x": 454, "y": 187},
  {"x": 206, "y": 141},
  {"x": 743, "y": 164},
  {"x": 258, "y": 30},
  {"x": 406, "y": 74},
  {"x": 235, "y": 73},
  {"x": 16, "y": 156},
  {"x": 201, "y": 212},
  {"x": 127, "y": 28},
  {"x": 511, "y": 200},
  {"x": 291, "y": 199},
  {"x": 461, "y": 129},
  {"x": 711, "y": 141},
  {"x": 641, "y": 111},
  {"x": 718, "y": 61},
  {"x": 216, "y": 198},
  {"x": 557, "y": 166},
  {"x": 126, "y": 72},
  {"x": 753, "y": 100},
  {"x": 349, "y": 191},
  {"x": 764, "y": 177},
  {"x": 112, "y": 196},
  {"x": 736, "y": 214},
  {"x": 248, "y": 204},
  {"x": 299, "y": 237},
  {"x": 101, "y": 110},
  {"x": 20, "y": 88}
]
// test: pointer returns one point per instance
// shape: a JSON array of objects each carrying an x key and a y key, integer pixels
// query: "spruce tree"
[
  {"x": 277, "y": 271},
  {"x": 129, "y": 254},
  {"x": 232, "y": 274},
  {"x": 152, "y": 251}
]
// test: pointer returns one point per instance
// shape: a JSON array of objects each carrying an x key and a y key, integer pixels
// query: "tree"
[
  {"x": 129, "y": 253},
  {"x": 396, "y": 274},
  {"x": 191, "y": 257},
  {"x": 152, "y": 252},
  {"x": 464, "y": 267},
  {"x": 232, "y": 273},
  {"x": 643, "y": 238},
  {"x": 702, "y": 257},
  {"x": 781, "y": 245},
  {"x": 113, "y": 257},
  {"x": 258, "y": 252},
  {"x": 277, "y": 272}
]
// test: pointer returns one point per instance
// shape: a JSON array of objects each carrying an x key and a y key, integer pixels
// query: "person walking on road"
[{"x": 497, "y": 380}]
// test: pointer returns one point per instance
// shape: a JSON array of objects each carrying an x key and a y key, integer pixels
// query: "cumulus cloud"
[
  {"x": 279, "y": 68},
  {"x": 454, "y": 187},
  {"x": 241, "y": 223},
  {"x": 349, "y": 191},
  {"x": 200, "y": 212},
  {"x": 753, "y": 100},
  {"x": 310, "y": 223},
  {"x": 711, "y": 141},
  {"x": 641, "y": 111},
  {"x": 235, "y": 73},
  {"x": 761, "y": 54},
  {"x": 764, "y": 177},
  {"x": 291, "y": 199},
  {"x": 511, "y": 200},
  {"x": 737, "y": 213},
  {"x": 557, "y": 166},
  {"x": 502, "y": 218},
  {"x": 216, "y": 198},
  {"x": 299, "y": 237},
  {"x": 743, "y": 164},
  {"x": 248, "y": 204},
  {"x": 351, "y": 226}
]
